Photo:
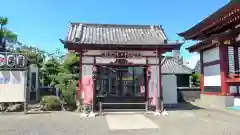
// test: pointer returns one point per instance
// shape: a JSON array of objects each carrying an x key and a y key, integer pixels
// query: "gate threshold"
[{"x": 126, "y": 111}]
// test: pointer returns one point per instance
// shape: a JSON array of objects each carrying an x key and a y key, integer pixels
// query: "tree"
[
  {"x": 5, "y": 34},
  {"x": 67, "y": 78},
  {"x": 195, "y": 80},
  {"x": 62, "y": 72},
  {"x": 33, "y": 54},
  {"x": 50, "y": 70},
  {"x": 52, "y": 67}
]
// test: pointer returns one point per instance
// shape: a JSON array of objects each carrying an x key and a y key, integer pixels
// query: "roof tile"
[
  {"x": 171, "y": 65},
  {"x": 116, "y": 34}
]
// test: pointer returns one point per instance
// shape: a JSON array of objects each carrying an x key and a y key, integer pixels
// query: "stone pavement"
[
  {"x": 187, "y": 122},
  {"x": 129, "y": 122}
]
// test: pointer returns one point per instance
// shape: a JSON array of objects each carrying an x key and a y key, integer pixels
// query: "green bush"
[
  {"x": 195, "y": 80},
  {"x": 69, "y": 101},
  {"x": 51, "y": 103}
]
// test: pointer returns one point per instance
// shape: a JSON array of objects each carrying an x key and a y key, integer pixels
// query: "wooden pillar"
[
  {"x": 147, "y": 81},
  {"x": 223, "y": 53},
  {"x": 94, "y": 84},
  {"x": 202, "y": 73},
  {"x": 79, "y": 93},
  {"x": 159, "y": 105},
  {"x": 236, "y": 62}
]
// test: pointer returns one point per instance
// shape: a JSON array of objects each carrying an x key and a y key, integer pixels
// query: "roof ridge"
[
  {"x": 181, "y": 64},
  {"x": 117, "y": 25}
]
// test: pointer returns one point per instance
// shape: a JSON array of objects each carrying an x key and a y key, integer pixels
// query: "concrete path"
[
  {"x": 185, "y": 122},
  {"x": 129, "y": 122}
]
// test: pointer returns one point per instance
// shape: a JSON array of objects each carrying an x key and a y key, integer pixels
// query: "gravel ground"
[{"x": 188, "y": 122}]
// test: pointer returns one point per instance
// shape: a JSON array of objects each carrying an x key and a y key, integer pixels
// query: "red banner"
[{"x": 87, "y": 84}]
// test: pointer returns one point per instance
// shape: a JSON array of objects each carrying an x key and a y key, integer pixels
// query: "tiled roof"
[
  {"x": 116, "y": 34},
  {"x": 171, "y": 65}
]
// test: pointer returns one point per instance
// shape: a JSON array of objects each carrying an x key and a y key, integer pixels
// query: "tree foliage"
[
  {"x": 195, "y": 79},
  {"x": 62, "y": 72},
  {"x": 5, "y": 34},
  {"x": 68, "y": 77},
  {"x": 56, "y": 68}
]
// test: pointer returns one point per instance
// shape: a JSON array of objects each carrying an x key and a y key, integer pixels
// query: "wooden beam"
[
  {"x": 224, "y": 69},
  {"x": 211, "y": 63},
  {"x": 79, "y": 92},
  {"x": 202, "y": 73}
]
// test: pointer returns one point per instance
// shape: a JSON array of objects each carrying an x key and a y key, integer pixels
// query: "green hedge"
[{"x": 51, "y": 103}]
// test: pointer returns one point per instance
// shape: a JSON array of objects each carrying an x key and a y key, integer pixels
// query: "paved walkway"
[
  {"x": 129, "y": 122},
  {"x": 194, "y": 122}
]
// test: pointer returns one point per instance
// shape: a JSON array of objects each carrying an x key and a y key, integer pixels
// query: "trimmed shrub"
[
  {"x": 69, "y": 101},
  {"x": 51, "y": 103}
]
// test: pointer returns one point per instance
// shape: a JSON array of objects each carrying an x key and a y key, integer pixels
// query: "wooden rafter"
[{"x": 214, "y": 22}]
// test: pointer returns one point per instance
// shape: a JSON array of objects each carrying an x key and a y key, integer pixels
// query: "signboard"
[
  {"x": 12, "y": 86},
  {"x": 121, "y": 54},
  {"x": 12, "y": 60}
]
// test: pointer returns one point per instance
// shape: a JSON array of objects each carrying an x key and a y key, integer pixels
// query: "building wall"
[
  {"x": 169, "y": 86},
  {"x": 212, "y": 75},
  {"x": 170, "y": 91},
  {"x": 152, "y": 82},
  {"x": 211, "y": 55},
  {"x": 211, "y": 70}
]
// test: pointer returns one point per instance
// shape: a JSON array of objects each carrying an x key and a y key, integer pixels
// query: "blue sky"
[{"x": 41, "y": 23}]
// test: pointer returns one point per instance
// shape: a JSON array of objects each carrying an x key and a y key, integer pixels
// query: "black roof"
[
  {"x": 171, "y": 65},
  {"x": 85, "y": 33}
]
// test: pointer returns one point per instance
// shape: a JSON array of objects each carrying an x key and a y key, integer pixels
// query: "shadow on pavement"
[{"x": 184, "y": 106}]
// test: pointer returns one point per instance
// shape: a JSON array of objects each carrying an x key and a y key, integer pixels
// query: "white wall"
[
  {"x": 211, "y": 55},
  {"x": 212, "y": 75},
  {"x": 12, "y": 86},
  {"x": 169, "y": 85}
]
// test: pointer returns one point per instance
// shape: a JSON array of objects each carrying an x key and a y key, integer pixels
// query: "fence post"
[{"x": 100, "y": 108}]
